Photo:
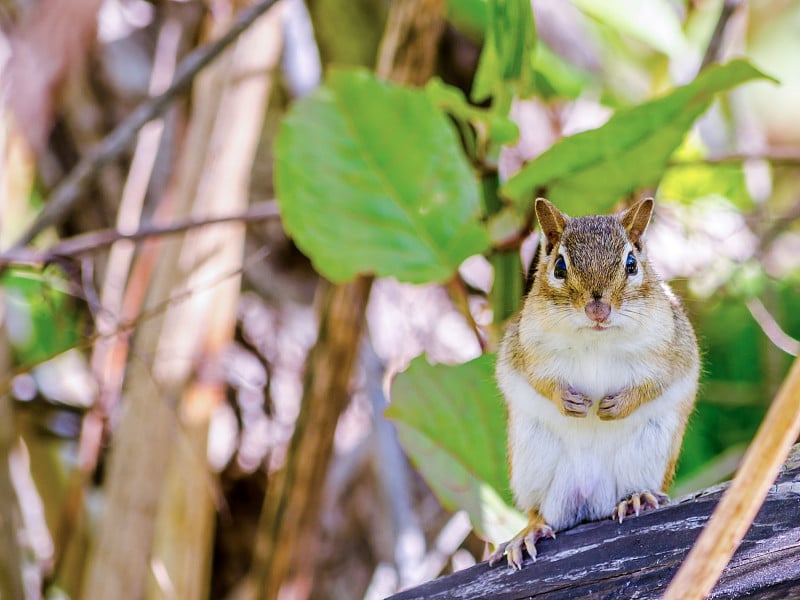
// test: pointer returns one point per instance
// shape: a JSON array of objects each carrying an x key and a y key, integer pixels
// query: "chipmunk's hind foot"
[
  {"x": 527, "y": 538},
  {"x": 638, "y": 502}
]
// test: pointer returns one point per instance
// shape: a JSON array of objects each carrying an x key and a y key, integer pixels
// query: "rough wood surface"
[{"x": 638, "y": 558}]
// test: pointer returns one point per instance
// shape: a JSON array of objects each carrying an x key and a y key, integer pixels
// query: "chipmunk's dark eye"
[
  {"x": 560, "y": 272},
  {"x": 631, "y": 267}
]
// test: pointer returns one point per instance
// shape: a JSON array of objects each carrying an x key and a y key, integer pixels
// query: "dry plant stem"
[
  {"x": 173, "y": 511},
  {"x": 67, "y": 194},
  {"x": 290, "y": 515},
  {"x": 108, "y": 372},
  {"x": 457, "y": 290},
  {"x": 739, "y": 505},
  {"x": 184, "y": 531},
  {"x": 122, "y": 556},
  {"x": 406, "y": 54}
]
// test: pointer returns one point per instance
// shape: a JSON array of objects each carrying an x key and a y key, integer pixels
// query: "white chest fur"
[{"x": 573, "y": 469}]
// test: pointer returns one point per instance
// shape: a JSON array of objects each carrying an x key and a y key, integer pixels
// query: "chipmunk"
[{"x": 599, "y": 371}]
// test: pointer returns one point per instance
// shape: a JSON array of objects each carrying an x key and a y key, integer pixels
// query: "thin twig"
[
  {"x": 457, "y": 290},
  {"x": 69, "y": 192},
  {"x": 714, "y": 44},
  {"x": 776, "y": 160},
  {"x": 97, "y": 240},
  {"x": 771, "y": 328},
  {"x": 127, "y": 326}
]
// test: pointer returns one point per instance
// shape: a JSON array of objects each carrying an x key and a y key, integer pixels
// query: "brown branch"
[
  {"x": 97, "y": 240},
  {"x": 66, "y": 196},
  {"x": 290, "y": 514},
  {"x": 712, "y": 51}
]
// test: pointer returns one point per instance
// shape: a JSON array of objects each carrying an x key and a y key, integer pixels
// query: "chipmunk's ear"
[
  {"x": 552, "y": 221},
  {"x": 635, "y": 220}
]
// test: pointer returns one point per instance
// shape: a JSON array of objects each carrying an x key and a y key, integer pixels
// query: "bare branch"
[
  {"x": 771, "y": 328},
  {"x": 97, "y": 240},
  {"x": 128, "y": 325},
  {"x": 68, "y": 193},
  {"x": 714, "y": 44}
]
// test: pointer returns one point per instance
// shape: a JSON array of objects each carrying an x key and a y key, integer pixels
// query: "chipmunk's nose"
[{"x": 598, "y": 311}]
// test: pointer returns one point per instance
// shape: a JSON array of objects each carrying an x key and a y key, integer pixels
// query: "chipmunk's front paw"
[
  {"x": 527, "y": 538},
  {"x": 573, "y": 403},
  {"x": 615, "y": 406},
  {"x": 636, "y": 503}
]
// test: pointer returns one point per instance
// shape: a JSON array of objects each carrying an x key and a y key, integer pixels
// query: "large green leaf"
[
  {"x": 592, "y": 170},
  {"x": 370, "y": 178},
  {"x": 452, "y": 422}
]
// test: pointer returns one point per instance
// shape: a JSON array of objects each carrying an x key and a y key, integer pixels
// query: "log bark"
[{"x": 638, "y": 558}]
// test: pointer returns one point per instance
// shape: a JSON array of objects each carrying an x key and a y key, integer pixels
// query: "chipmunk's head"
[{"x": 592, "y": 272}]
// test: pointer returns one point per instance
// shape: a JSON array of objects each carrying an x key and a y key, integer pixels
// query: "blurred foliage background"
[{"x": 233, "y": 234}]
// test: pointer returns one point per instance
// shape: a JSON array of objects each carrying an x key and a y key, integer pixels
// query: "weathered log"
[{"x": 638, "y": 558}]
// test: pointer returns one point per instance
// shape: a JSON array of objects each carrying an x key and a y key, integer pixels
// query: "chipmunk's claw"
[
  {"x": 636, "y": 503},
  {"x": 527, "y": 539}
]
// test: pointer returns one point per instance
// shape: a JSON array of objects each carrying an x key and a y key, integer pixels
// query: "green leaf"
[
  {"x": 590, "y": 171},
  {"x": 555, "y": 77},
  {"x": 371, "y": 178},
  {"x": 498, "y": 128},
  {"x": 470, "y": 16},
  {"x": 42, "y": 320},
  {"x": 506, "y": 63},
  {"x": 452, "y": 422}
]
